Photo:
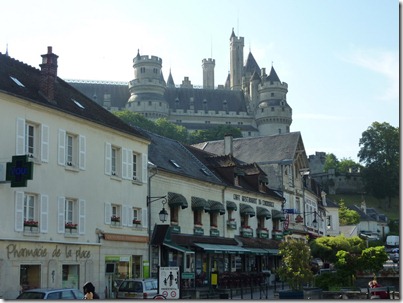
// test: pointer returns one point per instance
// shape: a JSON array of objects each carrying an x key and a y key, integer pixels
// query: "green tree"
[
  {"x": 171, "y": 130},
  {"x": 331, "y": 162},
  {"x": 136, "y": 119},
  {"x": 380, "y": 151},
  {"x": 373, "y": 258},
  {"x": 345, "y": 165},
  {"x": 214, "y": 133},
  {"x": 295, "y": 267},
  {"x": 347, "y": 216}
]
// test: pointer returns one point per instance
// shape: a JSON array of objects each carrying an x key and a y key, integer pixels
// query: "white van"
[{"x": 392, "y": 241}]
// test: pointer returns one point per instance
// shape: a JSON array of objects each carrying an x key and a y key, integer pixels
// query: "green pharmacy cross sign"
[{"x": 19, "y": 170}]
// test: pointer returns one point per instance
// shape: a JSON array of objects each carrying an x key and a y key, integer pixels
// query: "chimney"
[
  {"x": 228, "y": 144},
  {"x": 48, "y": 74},
  {"x": 364, "y": 206},
  {"x": 323, "y": 194}
]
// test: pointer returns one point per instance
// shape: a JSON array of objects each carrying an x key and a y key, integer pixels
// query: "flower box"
[
  {"x": 115, "y": 219},
  {"x": 213, "y": 226},
  {"x": 31, "y": 223},
  {"x": 138, "y": 222},
  {"x": 70, "y": 225},
  {"x": 231, "y": 223}
]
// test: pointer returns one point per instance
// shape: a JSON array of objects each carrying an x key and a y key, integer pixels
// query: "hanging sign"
[{"x": 19, "y": 170}]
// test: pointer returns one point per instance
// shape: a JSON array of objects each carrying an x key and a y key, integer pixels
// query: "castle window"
[
  {"x": 282, "y": 108},
  {"x": 272, "y": 94},
  {"x": 149, "y": 103},
  {"x": 272, "y": 109},
  {"x": 279, "y": 130},
  {"x": 142, "y": 70},
  {"x": 155, "y": 71}
]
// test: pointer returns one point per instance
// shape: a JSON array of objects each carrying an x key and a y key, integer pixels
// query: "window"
[
  {"x": 71, "y": 215},
  {"x": 71, "y": 150},
  {"x": 272, "y": 94},
  {"x": 29, "y": 208},
  {"x": 30, "y": 276},
  {"x": 71, "y": 211},
  {"x": 136, "y": 214},
  {"x": 260, "y": 222},
  {"x": 197, "y": 217},
  {"x": 135, "y": 156},
  {"x": 213, "y": 219},
  {"x": 114, "y": 159},
  {"x": 245, "y": 220},
  {"x": 174, "y": 212},
  {"x": 32, "y": 140}
]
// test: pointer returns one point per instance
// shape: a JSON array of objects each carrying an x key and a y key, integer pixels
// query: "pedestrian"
[
  {"x": 89, "y": 291},
  {"x": 381, "y": 294}
]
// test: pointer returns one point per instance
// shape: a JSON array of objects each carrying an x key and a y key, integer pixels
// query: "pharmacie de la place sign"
[{"x": 19, "y": 170}]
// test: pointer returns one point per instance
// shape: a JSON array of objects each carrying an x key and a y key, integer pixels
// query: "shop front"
[{"x": 27, "y": 265}]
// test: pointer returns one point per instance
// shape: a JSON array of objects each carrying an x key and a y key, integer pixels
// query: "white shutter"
[
  {"x": 20, "y": 142},
  {"x": 60, "y": 215},
  {"x": 44, "y": 143},
  {"x": 130, "y": 215},
  {"x": 82, "y": 155},
  {"x": 108, "y": 159},
  {"x": 43, "y": 220},
  {"x": 125, "y": 172},
  {"x": 130, "y": 165},
  {"x": 108, "y": 213},
  {"x": 144, "y": 217},
  {"x": 61, "y": 156},
  {"x": 144, "y": 161},
  {"x": 81, "y": 217},
  {"x": 19, "y": 211},
  {"x": 125, "y": 215}
]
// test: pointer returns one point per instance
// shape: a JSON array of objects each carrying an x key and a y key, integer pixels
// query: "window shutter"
[
  {"x": 60, "y": 215},
  {"x": 45, "y": 143},
  {"x": 108, "y": 213},
  {"x": 108, "y": 159},
  {"x": 82, "y": 155},
  {"x": 144, "y": 160},
  {"x": 19, "y": 211},
  {"x": 43, "y": 220},
  {"x": 130, "y": 165},
  {"x": 61, "y": 156},
  {"x": 20, "y": 142},
  {"x": 81, "y": 217},
  {"x": 125, "y": 172},
  {"x": 144, "y": 218},
  {"x": 130, "y": 215}
]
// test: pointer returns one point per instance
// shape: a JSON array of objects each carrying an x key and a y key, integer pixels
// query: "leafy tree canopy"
[
  {"x": 340, "y": 166},
  {"x": 347, "y": 216},
  {"x": 380, "y": 151}
]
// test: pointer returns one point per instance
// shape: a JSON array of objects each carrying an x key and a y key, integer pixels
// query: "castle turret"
[
  {"x": 236, "y": 61},
  {"x": 147, "y": 88},
  {"x": 208, "y": 73}
]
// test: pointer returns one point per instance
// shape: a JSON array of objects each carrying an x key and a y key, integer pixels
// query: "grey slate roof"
[
  {"x": 251, "y": 65},
  {"x": 64, "y": 95},
  {"x": 265, "y": 149}
]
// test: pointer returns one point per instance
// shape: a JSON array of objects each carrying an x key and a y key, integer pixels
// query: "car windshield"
[
  {"x": 131, "y": 286},
  {"x": 31, "y": 295}
]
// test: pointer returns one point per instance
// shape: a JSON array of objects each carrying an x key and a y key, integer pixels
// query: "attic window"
[
  {"x": 17, "y": 81},
  {"x": 78, "y": 104},
  {"x": 205, "y": 171},
  {"x": 173, "y": 162}
]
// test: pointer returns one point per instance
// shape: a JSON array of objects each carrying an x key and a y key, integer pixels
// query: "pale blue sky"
[{"x": 340, "y": 58}]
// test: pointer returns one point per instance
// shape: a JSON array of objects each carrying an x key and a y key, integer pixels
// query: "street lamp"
[{"x": 163, "y": 214}]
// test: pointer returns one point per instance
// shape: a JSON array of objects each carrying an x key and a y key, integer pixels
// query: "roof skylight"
[
  {"x": 17, "y": 81},
  {"x": 174, "y": 163},
  {"x": 78, "y": 104}
]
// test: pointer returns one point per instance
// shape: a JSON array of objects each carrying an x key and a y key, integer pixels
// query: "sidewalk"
[{"x": 258, "y": 294}]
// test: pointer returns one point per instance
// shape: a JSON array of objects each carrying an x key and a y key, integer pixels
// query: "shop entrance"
[{"x": 30, "y": 277}]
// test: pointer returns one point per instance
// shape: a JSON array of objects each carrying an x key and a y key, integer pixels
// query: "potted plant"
[
  {"x": 295, "y": 268},
  {"x": 70, "y": 225},
  {"x": 115, "y": 218},
  {"x": 31, "y": 223},
  {"x": 136, "y": 221}
]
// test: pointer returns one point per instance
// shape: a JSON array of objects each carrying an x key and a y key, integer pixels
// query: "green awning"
[
  {"x": 257, "y": 251},
  {"x": 176, "y": 200},
  {"x": 277, "y": 214},
  {"x": 263, "y": 212},
  {"x": 221, "y": 248},
  {"x": 199, "y": 204},
  {"x": 216, "y": 206},
  {"x": 245, "y": 209},
  {"x": 231, "y": 205},
  {"x": 272, "y": 251},
  {"x": 178, "y": 247}
]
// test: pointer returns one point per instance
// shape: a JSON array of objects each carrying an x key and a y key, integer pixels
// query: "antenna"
[
  {"x": 237, "y": 23},
  {"x": 211, "y": 46}
]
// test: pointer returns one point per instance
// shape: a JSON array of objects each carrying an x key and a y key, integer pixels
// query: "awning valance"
[
  {"x": 272, "y": 251},
  {"x": 245, "y": 209},
  {"x": 257, "y": 251},
  {"x": 175, "y": 199},
  {"x": 199, "y": 204},
  {"x": 216, "y": 206},
  {"x": 178, "y": 247},
  {"x": 263, "y": 212},
  {"x": 231, "y": 205},
  {"x": 276, "y": 214},
  {"x": 221, "y": 248}
]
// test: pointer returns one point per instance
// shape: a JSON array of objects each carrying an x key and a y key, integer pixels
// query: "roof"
[
  {"x": 261, "y": 150},
  {"x": 273, "y": 76},
  {"x": 251, "y": 65},
  {"x": 67, "y": 99}
]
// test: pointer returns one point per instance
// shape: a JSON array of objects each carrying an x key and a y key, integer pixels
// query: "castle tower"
[
  {"x": 147, "y": 88},
  {"x": 208, "y": 73},
  {"x": 236, "y": 61},
  {"x": 273, "y": 115}
]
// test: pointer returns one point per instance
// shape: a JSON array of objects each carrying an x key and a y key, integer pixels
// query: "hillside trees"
[
  {"x": 347, "y": 216},
  {"x": 380, "y": 152}
]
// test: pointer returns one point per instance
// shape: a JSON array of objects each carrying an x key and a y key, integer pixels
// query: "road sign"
[{"x": 169, "y": 282}]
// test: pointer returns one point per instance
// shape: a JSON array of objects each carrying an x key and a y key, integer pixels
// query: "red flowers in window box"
[
  {"x": 70, "y": 225},
  {"x": 31, "y": 223},
  {"x": 264, "y": 229},
  {"x": 199, "y": 223},
  {"x": 115, "y": 219},
  {"x": 213, "y": 225},
  {"x": 136, "y": 222},
  {"x": 246, "y": 226}
]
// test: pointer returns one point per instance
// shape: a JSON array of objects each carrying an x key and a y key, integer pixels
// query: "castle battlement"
[{"x": 144, "y": 58}]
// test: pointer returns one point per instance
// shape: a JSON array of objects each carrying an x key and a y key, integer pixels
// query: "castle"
[{"x": 251, "y": 100}]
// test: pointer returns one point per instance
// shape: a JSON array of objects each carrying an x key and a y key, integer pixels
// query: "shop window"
[
  {"x": 197, "y": 217},
  {"x": 174, "y": 214},
  {"x": 70, "y": 276},
  {"x": 30, "y": 276},
  {"x": 213, "y": 219},
  {"x": 136, "y": 266}
]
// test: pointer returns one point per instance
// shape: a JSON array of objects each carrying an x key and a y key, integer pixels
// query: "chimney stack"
[
  {"x": 48, "y": 74},
  {"x": 228, "y": 144}
]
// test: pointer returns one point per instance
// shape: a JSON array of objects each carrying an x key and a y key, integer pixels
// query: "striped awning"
[
  {"x": 263, "y": 212},
  {"x": 231, "y": 205},
  {"x": 199, "y": 204},
  {"x": 276, "y": 214},
  {"x": 175, "y": 199},
  {"x": 216, "y": 206},
  {"x": 245, "y": 209}
]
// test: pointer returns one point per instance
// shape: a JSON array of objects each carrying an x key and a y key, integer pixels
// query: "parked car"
[
  {"x": 137, "y": 289},
  {"x": 51, "y": 294},
  {"x": 394, "y": 255}
]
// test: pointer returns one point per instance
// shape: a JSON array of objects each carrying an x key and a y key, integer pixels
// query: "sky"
[{"x": 340, "y": 58}]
